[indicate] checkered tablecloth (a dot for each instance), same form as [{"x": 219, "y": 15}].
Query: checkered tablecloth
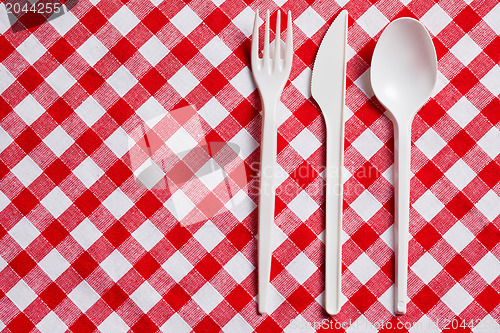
[{"x": 84, "y": 248}]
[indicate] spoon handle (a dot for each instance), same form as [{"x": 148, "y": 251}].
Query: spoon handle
[{"x": 402, "y": 155}]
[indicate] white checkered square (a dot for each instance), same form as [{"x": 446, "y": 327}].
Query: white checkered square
[
  {"x": 489, "y": 142},
  {"x": 58, "y": 141},
  {"x": 177, "y": 266},
  {"x": 6, "y": 78},
  {"x": 88, "y": 172},
  {"x": 23, "y": 232},
  {"x": 305, "y": 143},
  {"x": 364, "y": 268},
  {"x": 237, "y": 324},
  {"x": 56, "y": 202},
  {"x": 86, "y": 234},
  {"x": 21, "y": 295},
  {"x": 216, "y": 51},
  {"x": 436, "y": 19},
  {"x": 213, "y": 112},
  {"x": 303, "y": 206},
  {"x": 460, "y": 174},
  {"x": 179, "y": 205},
  {"x": 457, "y": 299},
  {"x": 181, "y": 142},
  {"x": 114, "y": 323},
  {"x": 176, "y": 324},
  {"x": 488, "y": 267},
  {"x": 492, "y": 19},
  {"x": 92, "y": 50},
  {"x": 489, "y": 205},
  {"x": 122, "y": 81},
  {"x": 243, "y": 82},
  {"x": 145, "y": 297},
  {"x": 240, "y": 205},
  {"x": 153, "y": 50},
  {"x": 207, "y": 298},
  {"x": 26, "y": 171},
  {"x": 51, "y": 323},
  {"x": 124, "y": 20},
  {"x": 29, "y": 110},
  {"x": 309, "y": 22},
  {"x": 363, "y": 82},
  {"x": 244, "y": 21},
  {"x": 90, "y": 111},
  {"x": 487, "y": 324},
  {"x": 430, "y": 143},
  {"x": 118, "y": 142},
  {"x": 367, "y": 144},
  {"x": 490, "y": 80},
  {"x": 60, "y": 80},
  {"x": 239, "y": 267},
  {"x": 186, "y": 20},
  {"x": 209, "y": 236},
  {"x": 54, "y": 264},
  {"x": 372, "y": 21},
  {"x": 4, "y": 201},
  {"x": 361, "y": 325},
  {"x": 458, "y": 236},
  {"x": 84, "y": 296},
  {"x": 64, "y": 23},
  {"x": 301, "y": 268},
  {"x": 424, "y": 325},
  {"x": 115, "y": 265},
  {"x": 183, "y": 81},
  {"x": 428, "y": 205},
  {"x": 245, "y": 142},
  {"x": 147, "y": 235},
  {"x": 426, "y": 268},
  {"x": 31, "y": 49},
  {"x": 117, "y": 203},
  {"x": 463, "y": 112},
  {"x": 465, "y": 50},
  {"x": 366, "y": 205}
]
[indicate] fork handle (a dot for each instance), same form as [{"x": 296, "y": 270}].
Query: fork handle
[{"x": 266, "y": 199}]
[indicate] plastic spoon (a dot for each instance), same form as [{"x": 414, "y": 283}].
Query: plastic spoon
[{"x": 403, "y": 74}]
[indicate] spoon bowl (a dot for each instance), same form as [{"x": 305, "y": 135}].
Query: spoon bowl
[
  {"x": 403, "y": 75},
  {"x": 404, "y": 67}
]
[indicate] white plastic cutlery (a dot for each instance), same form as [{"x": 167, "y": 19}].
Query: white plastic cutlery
[
  {"x": 270, "y": 74},
  {"x": 328, "y": 89},
  {"x": 403, "y": 74}
]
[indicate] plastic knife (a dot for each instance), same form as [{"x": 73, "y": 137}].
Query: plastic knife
[{"x": 328, "y": 89}]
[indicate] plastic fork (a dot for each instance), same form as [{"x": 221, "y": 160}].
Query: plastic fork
[{"x": 270, "y": 74}]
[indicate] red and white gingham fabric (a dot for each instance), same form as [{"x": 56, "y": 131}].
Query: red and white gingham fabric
[{"x": 83, "y": 248}]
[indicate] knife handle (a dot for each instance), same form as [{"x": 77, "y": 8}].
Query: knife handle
[
  {"x": 268, "y": 153},
  {"x": 333, "y": 218}
]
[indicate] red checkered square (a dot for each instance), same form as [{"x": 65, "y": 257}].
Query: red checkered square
[
  {"x": 83, "y": 324},
  {"x": 184, "y": 51},
  {"x": 93, "y": 20}
]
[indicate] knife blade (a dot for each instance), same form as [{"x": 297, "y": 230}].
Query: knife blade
[{"x": 328, "y": 89}]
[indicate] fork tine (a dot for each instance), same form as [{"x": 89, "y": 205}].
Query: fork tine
[
  {"x": 289, "y": 41},
  {"x": 277, "y": 39},
  {"x": 255, "y": 39},
  {"x": 266, "y": 39}
]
